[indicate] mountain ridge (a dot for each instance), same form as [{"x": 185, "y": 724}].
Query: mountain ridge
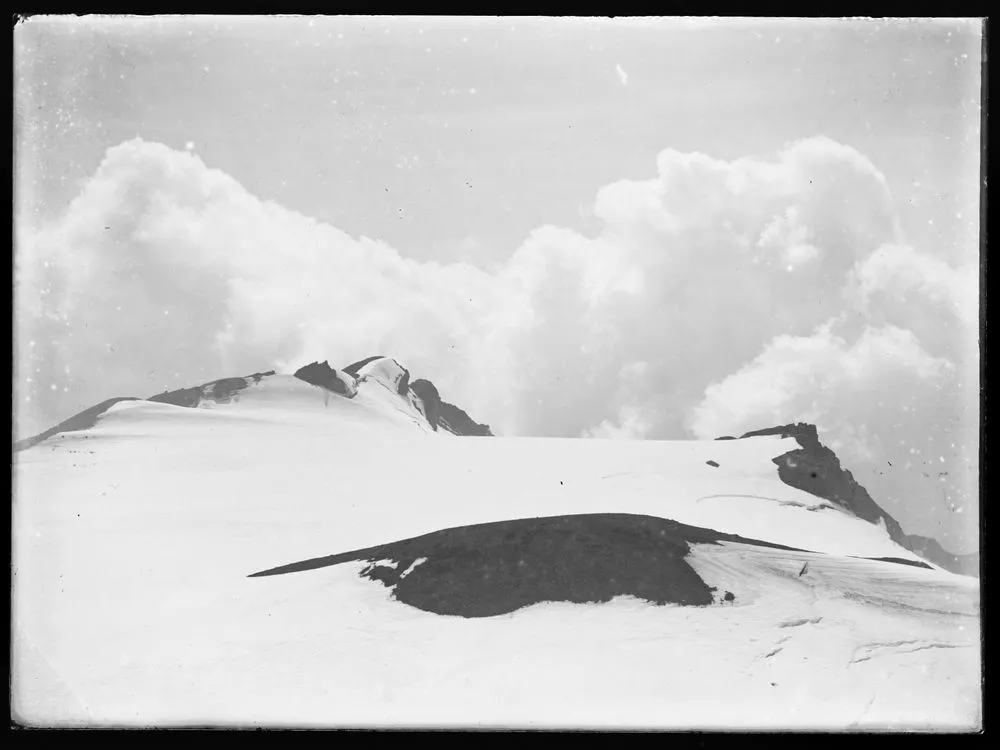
[
  {"x": 813, "y": 467},
  {"x": 816, "y": 469}
]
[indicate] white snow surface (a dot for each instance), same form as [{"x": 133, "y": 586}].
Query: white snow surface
[
  {"x": 133, "y": 540},
  {"x": 384, "y": 370}
]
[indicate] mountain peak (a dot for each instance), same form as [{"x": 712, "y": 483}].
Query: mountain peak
[
  {"x": 816, "y": 469},
  {"x": 420, "y": 398}
]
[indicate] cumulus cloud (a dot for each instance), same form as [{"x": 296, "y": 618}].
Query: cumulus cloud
[
  {"x": 824, "y": 380},
  {"x": 163, "y": 272},
  {"x": 716, "y": 295}
]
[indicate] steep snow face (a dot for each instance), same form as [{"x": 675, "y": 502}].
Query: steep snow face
[
  {"x": 135, "y": 539},
  {"x": 388, "y": 372}
]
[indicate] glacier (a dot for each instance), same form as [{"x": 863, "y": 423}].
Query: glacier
[{"x": 267, "y": 551}]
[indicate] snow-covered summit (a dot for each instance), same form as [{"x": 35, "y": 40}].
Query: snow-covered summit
[{"x": 379, "y": 385}]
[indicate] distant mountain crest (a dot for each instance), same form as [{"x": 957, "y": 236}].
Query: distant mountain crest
[
  {"x": 812, "y": 468},
  {"x": 815, "y": 469},
  {"x": 384, "y": 370}
]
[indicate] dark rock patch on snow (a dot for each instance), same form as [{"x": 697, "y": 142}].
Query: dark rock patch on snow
[
  {"x": 713, "y": 463},
  {"x": 403, "y": 387},
  {"x": 82, "y": 421},
  {"x": 189, "y": 397},
  {"x": 815, "y": 469},
  {"x": 495, "y": 568},
  {"x": 321, "y": 374},
  {"x": 431, "y": 399},
  {"x": 457, "y": 421},
  {"x": 220, "y": 391},
  {"x": 441, "y": 414},
  {"x": 900, "y": 561},
  {"x": 354, "y": 367}
]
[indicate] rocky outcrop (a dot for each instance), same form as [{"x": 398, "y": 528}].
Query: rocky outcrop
[
  {"x": 815, "y": 469},
  {"x": 384, "y": 370},
  {"x": 355, "y": 367},
  {"x": 441, "y": 414},
  {"x": 429, "y": 398},
  {"x": 492, "y": 569},
  {"x": 321, "y": 374},
  {"x": 455, "y": 420},
  {"x": 221, "y": 391},
  {"x": 495, "y": 568}
]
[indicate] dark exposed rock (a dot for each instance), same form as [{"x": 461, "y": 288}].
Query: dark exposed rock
[
  {"x": 444, "y": 415},
  {"x": 431, "y": 399},
  {"x": 815, "y": 469},
  {"x": 457, "y": 421},
  {"x": 323, "y": 375},
  {"x": 190, "y": 397},
  {"x": 225, "y": 389},
  {"x": 712, "y": 463},
  {"x": 82, "y": 421},
  {"x": 403, "y": 386},
  {"x": 901, "y": 561},
  {"x": 354, "y": 367},
  {"x": 220, "y": 391},
  {"x": 494, "y": 568}
]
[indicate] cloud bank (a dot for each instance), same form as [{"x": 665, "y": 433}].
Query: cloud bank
[{"x": 719, "y": 296}]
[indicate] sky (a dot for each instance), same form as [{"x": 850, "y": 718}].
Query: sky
[{"x": 630, "y": 228}]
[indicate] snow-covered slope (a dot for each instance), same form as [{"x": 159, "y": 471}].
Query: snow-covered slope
[{"x": 288, "y": 555}]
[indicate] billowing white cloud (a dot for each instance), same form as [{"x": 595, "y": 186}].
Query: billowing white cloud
[
  {"x": 821, "y": 379},
  {"x": 717, "y": 295}
]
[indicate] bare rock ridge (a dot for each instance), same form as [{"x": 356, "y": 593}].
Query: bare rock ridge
[
  {"x": 447, "y": 416},
  {"x": 221, "y": 391},
  {"x": 457, "y": 421},
  {"x": 324, "y": 376},
  {"x": 430, "y": 398},
  {"x": 439, "y": 413},
  {"x": 815, "y": 469}
]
